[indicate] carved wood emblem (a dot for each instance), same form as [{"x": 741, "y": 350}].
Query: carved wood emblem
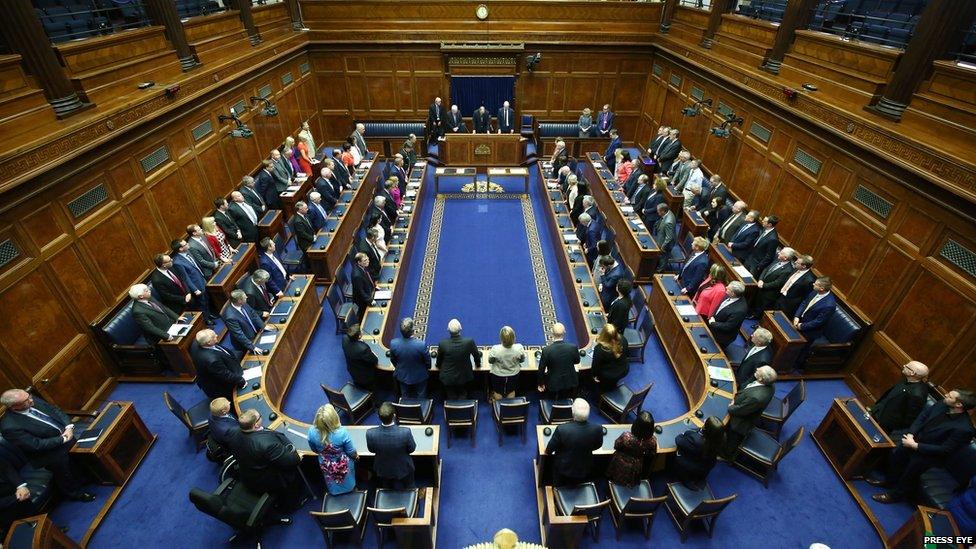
[{"x": 482, "y": 150}]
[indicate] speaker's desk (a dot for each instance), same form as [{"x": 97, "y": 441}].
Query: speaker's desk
[{"x": 481, "y": 149}]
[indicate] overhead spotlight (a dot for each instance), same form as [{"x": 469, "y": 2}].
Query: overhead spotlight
[
  {"x": 532, "y": 60},
  {"x": 695, "y": 109},
  {"x": 242, "y": 131},
  {"x": 269, "y": 108},
  {"x": 724, "y": 131}
]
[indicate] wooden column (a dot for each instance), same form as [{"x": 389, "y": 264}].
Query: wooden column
[
  {"x": 296, "y": 14},
  {"x": 163, "y": 12},
  {"x": 667, "y": 13},
  {"x": 243, "y": 8},
  {"x": 797, "y": 16},
  {"x": 25, "y": 35},
  {"x": 940, "y": 30},
  {"x": 719, "y": 8}
]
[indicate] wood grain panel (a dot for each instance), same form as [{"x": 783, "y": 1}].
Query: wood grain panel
[
  {"x": 809, "y": 232},
  {"x": 916, "y": 227},
  {"x": 892, "y": 267},
  {"x": 43, "y": 226},
  {"x": 78, "y": 283},
  {"x": 791, "y": 199},
  {"x": 836, "y": 178},
  {"x": 849, "y": 242},
  {"x": 380, "y": 90},
  {"x": 172, "y": 203},
  {"x": 42, "y": 328},
  {"x": 117, "y": 255},
  {"x": 123, "y": 177},
  {"x": 879, "y": 370},
  {"x": 73, "y": 382}
]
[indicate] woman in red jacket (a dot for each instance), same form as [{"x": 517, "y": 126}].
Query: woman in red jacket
[{"x": 711, "y": 292}]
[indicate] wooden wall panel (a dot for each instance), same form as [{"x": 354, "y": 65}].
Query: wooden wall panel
[
  {"x": 115, "y": 252},
  {"x": 849, "y": 243},
  {"x": 43, "y": 226},
  {"x": 79, "y": 283},
  {"x": 42, "y": 324}
]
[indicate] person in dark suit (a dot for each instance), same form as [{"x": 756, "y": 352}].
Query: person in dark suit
[
  {"x": 301, "y": 225},
  {"x": 661, "y": 136},
  {"x": 573, "y": 444},
  {"x": 613, "y": 273},
  {"x": 455, "y": 122},
  {"x": 316, "y": 213},
  {"x": 697, "y": 453},
  {"x": 742, "y": 242},
  {"x": 227, "y": 223},
  {"x": 936, "y": 436},
  {"x": 267, "y": 462},
  {"x": 633, "y": 180},
  {"x": 610, "y": 154},
  {"x": 618, "y": 313},
  {"x": 641, "y": 191},
  {"x": 219, "y": 371},
  {"x": 281, "y": 171},
  {"x": 435, "y": 119},
  {"x": 377, "y": 214},
  {"x": 700, "y": 197},
  {"x": 764, "y": 251},
  {"x": 15, "y": 496},
  {"x": 900, "y": 405},
  {"x": 361, "y": 361},
  {"x": 481, "y": 120},
  {"x": 717, "y": 189},
  {"x": 813, "y": 313},
  {"x": 610, "y": 363},
  {"x": 759, "y": 354},
  {"x": 359, "y": 139},
  {"x": 668, "y": 151},
  {"x": 557, "y": 376},
  {"x": 45, "y": 435},
  {"x": 342, "y": 179},
  {"x": 559, "y": 159},
  {"x": 251, "y": 194},
  {"x": 589, "y": 232},
  {"x": 363, "y": 285},
  {"x": 664, "y": 234},
  {"x": 695, "y": 268},
  {"x": 770, "y": 281},
  {"x": 410, "y": 362},
  {"x": 728, "y": 229},
  {"x": 747, "y": 408},
  {"x": 153, "y": 318},
  {"x": 259, "y": 296},
  {"x": 456, "y": 358},
  {"x": 392, "y": 445},
  {"x": 716, "y": 214},
  {"x": 245, "y": 216},
  {"x": 506, "y": 119},
  {"x": 400, "y": 173},
  {"x": 223, "y": 427},
  {"x": 243, "y": 322},
  {"x": 269, "y": 262},
  {"x": 192, "y": 274},
  {"x": 367, "y": 246},
  {"x": 171, "y": 289},
  {"x": 727, "y": 320},
  {"x": 264, "y": 184},
  {"x": 797, "y": 286},
  {"x": 325, "y": 186},
  {"x": 201, "y": 251},
  {"x": 604, "y": 121},
  {"x": 649, "y": 212}
]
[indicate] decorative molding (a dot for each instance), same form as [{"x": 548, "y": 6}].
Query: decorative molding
[
  {"x": 960, "y": 256},
  {"x": 154, "y": 159},
  {"x": 481, "y": 61},
  {"x": 8, "y": 252},
  {"x": 88, "y": 201},
  {"x": 202, "y": 130},
  {"x": 873, "y": 201},
  {"x": 807, "y": 161}
]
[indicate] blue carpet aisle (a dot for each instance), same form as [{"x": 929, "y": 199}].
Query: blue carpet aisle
[{"x": 488, "y": 487}]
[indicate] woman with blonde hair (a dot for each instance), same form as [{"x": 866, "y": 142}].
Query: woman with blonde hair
[
  {"x": 392, "y": 187},
  {"x": 303, "y": 154},
  {"x": 585, "y": 122},
  {"x": 610, "y": 363},
  {"x": 506, "y": 360},
  {"x": 337, "y": 456},
  {"x": 217, "y": 239}
]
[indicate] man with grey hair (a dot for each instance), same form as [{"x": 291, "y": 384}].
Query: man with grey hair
[
  {"x": 727, "y": 320},
  {"x": 152, "y": 317},
  {"x": 679, "y": 170},
  {"x": 280, "y": 171},
  {"x": 358, "y": 139},
  {"x": 219, "y": 371},
  {"x": 435, "y": 119},
  {"x": 456, "y": 359},
  {"x": 560, "y": 156},
  {"x": 244, "y": 215},
  {"x": 506, "y": 119},
  {"x": 563, "y": 176},
  {"x": 251, "y": 194},
  {"x": 664, "y": 234},
  {"x": 573, "y": 444},
  {"x": 757, "y": 355},
  {"x": 259, "y": 297},
  {"x": 771, "y": 280},
  {"x": 301, "y": 225},
  {"x": 557, "y": 376},
  {"x": 455, "y": 122},
  {"x": 744, "y": 240},
  {"x": 243, "y": 322},
  {"x": 326, "y": 186},
  {"x": 731, "y": 226},
  {"x": 748, "y": 406},
  {"x": 316, "y": 212},
  {"x": 410, "y": 361}
]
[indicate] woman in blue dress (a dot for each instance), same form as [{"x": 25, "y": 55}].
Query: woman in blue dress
[{"x": 337, "y": 456}]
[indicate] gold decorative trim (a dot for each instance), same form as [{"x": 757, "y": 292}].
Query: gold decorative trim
[
  {"x": 481, "y": 61},
  {"x": 421, "y": 312},
  {"x": 477, "y": 187},
  {"x": 547, "y": 307}
]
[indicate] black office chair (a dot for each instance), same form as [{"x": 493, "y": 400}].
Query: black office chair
[
  {"x": 638, "y": 337},
  {"x": 634, "y": 502},
  {"x": 340, "y": 514},
  {"x": 686, "y": 505},
  {"x": 582, "y": 500},
  {"x": 233, "y": 504},
  {"x": 391, "y": 504},
  {"x": 342, "y": 309},
  {"x": 510, "y": 411},
  {"x": 196, "y": 419},
  {"x": 760, "y": 453},
  {"x": 355, "y": 402},
  {"x": 556, "y": 412},
  {"x": 461, "y": 413},
  {"x": 780, "y": 410},
  {"x": 414, "y": 411},
  {"x": 620, "y": 402}
]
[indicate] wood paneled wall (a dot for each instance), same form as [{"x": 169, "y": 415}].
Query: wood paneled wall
[
  {"x": 71, "y": 269},
  {"x": 888, "y": 266}
]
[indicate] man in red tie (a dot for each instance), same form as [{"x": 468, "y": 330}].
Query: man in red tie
[
  {"x": 171, "y": 289},
  {"x": 259, "y": 297},
  {"x": 152, "y": 317}
]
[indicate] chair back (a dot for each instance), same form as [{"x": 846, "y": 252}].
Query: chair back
[
  {"x": 338, "y": 520},
  {"x": 411, "y": 414},
  {"x": 384, "y": 517},
  {"x": 336, "y": 398},
  {"x": 177, "y": 410},
  {"x": 710, "y": 507},
  {"x": 788, "y": 446},
  {"x": 644, "y": 507},
  {"x": 592, "y": 511},
  {"x": 637, "y": 399},
  {"x": 335, "y": 297},
  {"x": 794, "y": 398},
  {"x": 645, "y": 325},
  {"x": 638, "y": 300},
  {"x": 512, "y": 410},
  {"x": 561, "y": 413},
  {"x": 460, "y": 413}
]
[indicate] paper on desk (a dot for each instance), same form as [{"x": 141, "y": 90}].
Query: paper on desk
[
  {"x": 598, "y": 165},
  {"x": 407, "y": 208},
  {"x": 419, "y": 164},
  {"x": 413, "y": 185},
  {"x": 85, "y": 440},
  {"x": 293, "y": 188},
  {"x": 573, "y": 248},
  {"x": 687, "y": 310},
  {"x": 178, "y": 330},
  {"x": 252, "y": 373},
  {"x": 627, "y": 209},
  {"x": 267, "y": 338},
  {"x": 742, "y": 271},
  {"x": 570, "y": 237},
  {"x": 721, "y": 374},
  {"x": 383, "y": 294},
  {"x": 411, "y": 194}
]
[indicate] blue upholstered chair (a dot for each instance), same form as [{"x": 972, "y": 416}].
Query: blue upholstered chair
[
  {"x": 341, "y": 514},
  {"x": 461, "y": 413},
  {"x": 634, "y": 503},
  {"x": 555, "y": 412},
  {"x": 620, "y": 402},
  {"x": 779, "y": 409},
  {"x": 352, "y": 400},
  {"x": 196, "y": 419},
  {"x": 510, "y": 411},
  {"x": 414, "y": 411},
  {"x": 582, "y": 500},
  {"x": 391, "y": 504},
  {"x": 759, "y": 454},
  {"x": 687, "y": 505}
]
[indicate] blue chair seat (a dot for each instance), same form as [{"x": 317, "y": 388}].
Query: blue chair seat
[
  {"x": 425, "y": 404},
  {"x": 497, "y": 405},
  {"x": 689, "y": 498},
  {"x": 396, "y": 499},
  {"x": 634, "y": 337},
  {"x": 199, "y": 414},
  {"x": 354, "y": 501},
  {"x": 620, "y": 493},
  {"x": 354, "y": 395},
  {"x": 546, "y": 406},
  {"x": 760, "y": 445},
  {"x": 569, "y": 497},
  {"x": 619, "y": 397},
  {"x": 774, "y": 410}
]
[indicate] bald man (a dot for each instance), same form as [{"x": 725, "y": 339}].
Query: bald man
[
  {"x": 558, "y": 378},
  {"x": 456, "y": 359},
  {"x": 219, "y": 371},
  {"x": 900, "y": 405}
]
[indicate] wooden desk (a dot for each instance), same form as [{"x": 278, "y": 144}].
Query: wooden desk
[
  {"x": 224, "y": 279},
  {"x": 692, "y": 222},
  {"x": 468, "y": 173},
  {"x": 788, "y": 343},
  {"x": 926, "y": 521},
  {"x": 575, "y": 146},
  {"x": 511, "y": 172},
  {"x": 481, "y": 149},
  {"x": 297, "y": 191},
  {"x": 722, "y": 255},
  {"x": 270, "y": 224},
  {"x": 124, "y": 441},
  {"x": 177, "y": 351},
  {"x": 674, "y": 199},
  {"x": 37, "y": 532},
  {"x": 850, "y": 438}
]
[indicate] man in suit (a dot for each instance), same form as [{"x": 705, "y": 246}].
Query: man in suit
[
  {"x": 662, "y": 134},
  {"x": 391, "y": 445},
  {"x": 244, "y": 215},
  {"x": 173, "y": 292},
  {"x": 797, "y": 286},
  {"x": 281, "y": 171},
  {"x": 618, "y": 313},
  {"x": 378, "y": 209},
  {"x": 668, "y": 151},
  {"x": 326, "y": 188},
  {"x": 664, "y": 234},
  {"x": 287, "y": 163},
  {"x": 410, "y": 362},
  {"x": 727, "y": 320},
  {"x": 243, "y": 322},
  {"x": 557, "y": 377},
  {"x": 361, "y": 361},
  {"x": 301, "y": 225},
  {"x": 604, "y": 121},
  {"x": 219, "y": 371},
  {"x": 559, "y": 158},
  {"x": 573, "y": 444},
  {"x": 15, "y": 496},
  {"x": 368, "y": 246},
  {"x": 613, "y": 273},
  {"x": 748, "y": 406},
  {"x": 316, "y": 213},
  {"x": 264, "y": 184},
  {"x": 252, "y": 195},
  {"x": 813, "y": 313},
  {"x": 590, "y": 209},
  {"x": 481, "y": 120},
  {"x": 45, "y": 435},
  {"x": 745, "y": 238},
  {"x": 610, "y": 155},
  {"x": 935, "y": 437},
  {"x": 698, "y": 197},
  {"x": 731, "y": 226},
  {"x": 759, "y": 354},
  {"x": 435, "y": 119},
  {"x": 267, "y": 462},
  {"x": 223, "y": 427},
  {"x": 695, "y": 177},
  {"x": 192, "y": 274},
  {"x": 226, "y": 222},
  {"x": 718, "y": 212},
  {"x": 680, "y": 170},
  {"x": 717, "y": 187},
  {"x": 455, "y": 122},
  {"x": 401, "y": 174},
  {"x": 641, "y": 191},
  {"x": 359, "y": 139},
  {"x": 409, "y": 151},
  {"x": 456, "y": 358},
  {"x": 589, "y": 231},
  {"x": 506, "y": 119},
  {"x": 764, "y": 251},
  {"x": 695, "y": 268},
  {"x": 363, "y": 284},
  {"x": 342, "y": 179},
  {"x": 269, "y": 262},
  {"x": 153, "y": 318},
  {"x": 630, "y": 186},
  {"x": 201, "y": 251},
  {"x": 259, "y": 296},
  {"x": 900, "y": 405},
  {"x": 770, "y": 281}
]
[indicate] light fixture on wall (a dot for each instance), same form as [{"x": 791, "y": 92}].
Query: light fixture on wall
[
  {"x": 241, "y": 131},
  {"x": 532, "y": 60},
  {"x": 695, "y": 109},
  {"x": 269, "y": 108},
  {"x": 724, "y": 130}
]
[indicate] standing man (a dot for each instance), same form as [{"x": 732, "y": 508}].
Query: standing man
[
  {"x": 152, "y": 317},
  {"x": 814, "y": 312},
  {"x": 481, "y": 119},
  {"x": 618, "y": 313},
  {"x": 797, "y": 287},
  {"x": 764, "y": 251},
  {"x": 265, "y": 186},
  {"x": 363, "y": 285},
  {"x": 172, "y": 290},
  {"x": 251, "y": 194},
  {"x": 201, "y": 251},
  {"x": 732, "y": 224},
  {"x": 243, "y": 322},
  {"x": 358, "y": 138},
  {"x": 301, "y": 225},
  {"x": 456, "y": 359},
  {"x": 258, "y": 295},
  {"x": 744, "y": 240},
  {"x": 604, "y": 121},
  {"x": 435, "y": 119},
  {"x": 664, "y": 234},
  {"x": 695, "y": 269},
  {"x": 900, "y": 405},
  {"x": 506, "y": 119},
  {"x": 613, "y": 273},
  {"x": 410, "y": 362},
  {"x": 361, "y": 361},
  {"x": 392, "y": 445},
  {"x": 748, "y": 406},
  {"x": 558, "y": 377},
  {"x": 758, "y": 355},
  {"x": 727, "y": 320},
  {"x": 455, "y": 122},
  {"x": 771, "y": 281},
  {"x": 227, "y": 223},
  {"x": 219, "y": 372},
  {"x": 245, "y": 216},
  {"x": 267, "y": 462},
  {"x": 573, "y": 444},
  {"x": 269, "y": 262},
  {"x": 184, "y": 263},
  {"x": 610, "y": 155}
]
